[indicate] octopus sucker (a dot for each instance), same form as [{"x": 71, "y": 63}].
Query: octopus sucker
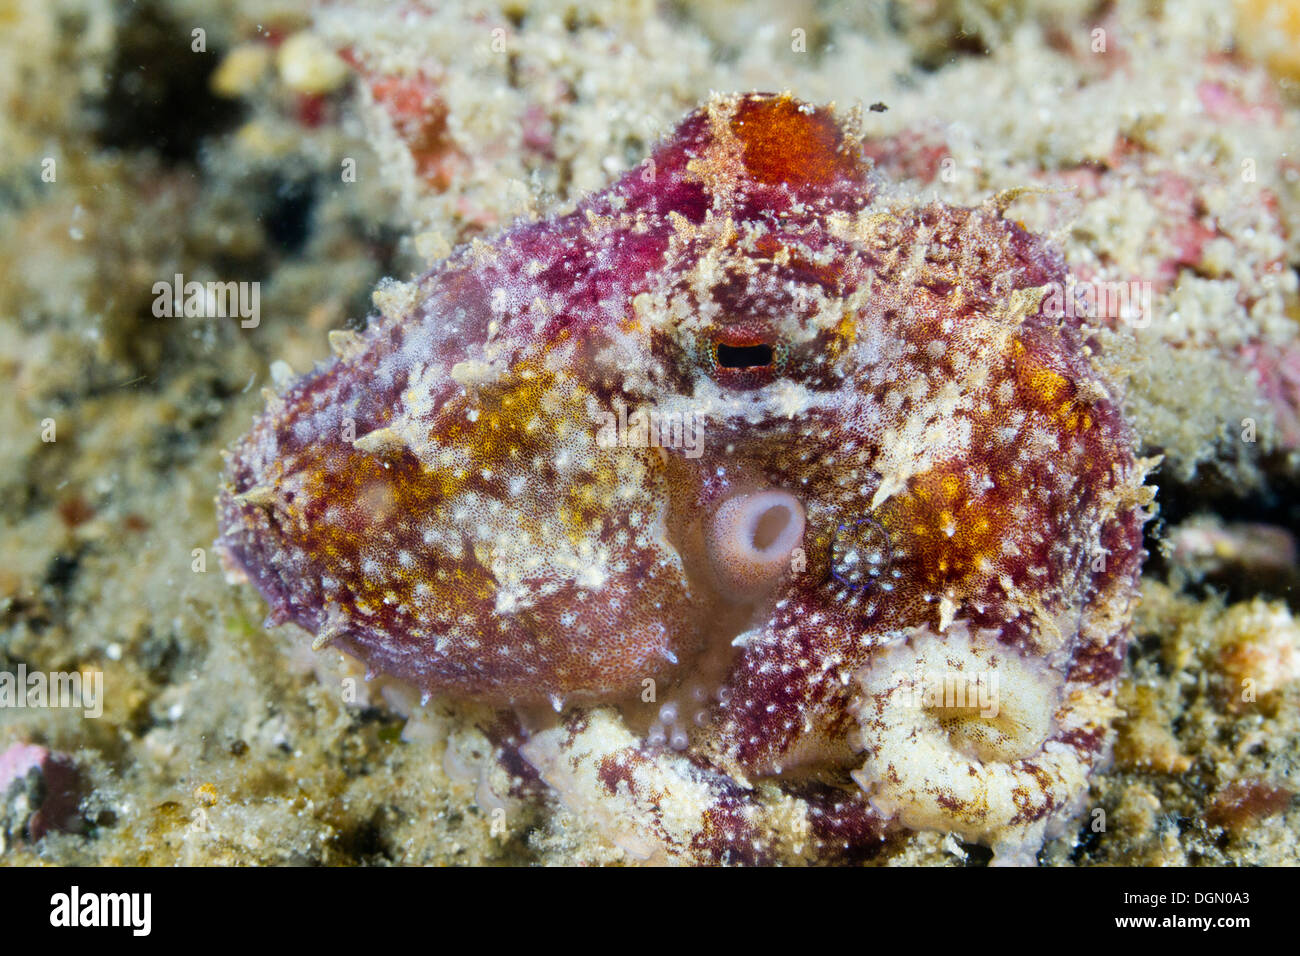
[
  {"x": 768, "y": 506},
  {"x": 962, "y": 733}
]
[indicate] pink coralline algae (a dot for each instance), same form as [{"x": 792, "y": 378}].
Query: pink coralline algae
[
  {"x": 40, "y": 793},
  {"x": 808, "y": 521}
]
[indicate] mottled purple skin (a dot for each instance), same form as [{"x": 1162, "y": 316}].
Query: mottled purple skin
[{"x": 911, "y": 376}]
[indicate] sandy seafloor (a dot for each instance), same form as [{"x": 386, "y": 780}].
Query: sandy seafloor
[{"x": 222, "y": 742}]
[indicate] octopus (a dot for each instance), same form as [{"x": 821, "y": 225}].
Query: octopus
[{"x": 771, "y": 505}]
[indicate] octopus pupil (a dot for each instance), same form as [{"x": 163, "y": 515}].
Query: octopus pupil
[{"x": 744, "y": 356}]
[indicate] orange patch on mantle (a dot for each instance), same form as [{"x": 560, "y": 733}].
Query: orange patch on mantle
[{"x": 784, "y": 144}]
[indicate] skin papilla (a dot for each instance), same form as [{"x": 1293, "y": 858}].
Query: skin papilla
[{"x": 783, "y": 513}]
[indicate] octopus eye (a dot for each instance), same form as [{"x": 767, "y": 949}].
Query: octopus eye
[
  {"x": 744, "y": 356},
  {"x": 751, "y": 538}
]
